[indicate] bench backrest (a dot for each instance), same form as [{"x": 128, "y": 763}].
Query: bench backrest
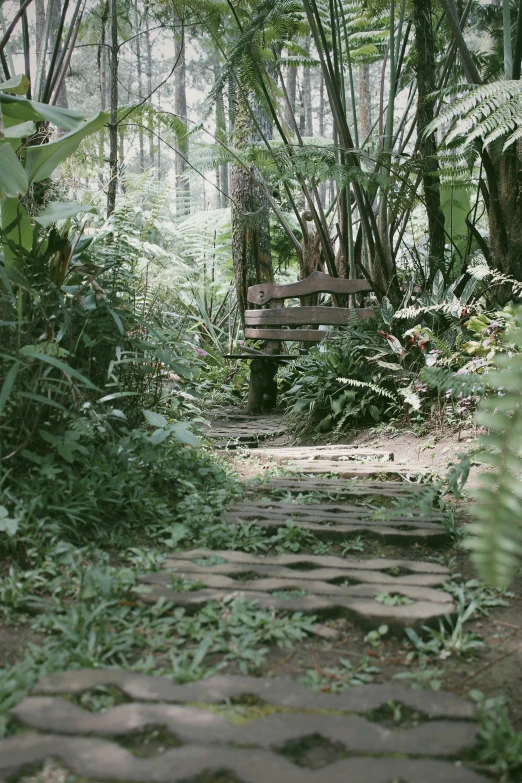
[{"x": 317, "y": 282}]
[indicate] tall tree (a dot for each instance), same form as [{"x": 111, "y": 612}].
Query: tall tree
[
  {"x": 180, "y": 108},
  {"x": 113, "y": 127},
  {"x": 251, "y": 245},
  {"x": 427, "y": 145}
]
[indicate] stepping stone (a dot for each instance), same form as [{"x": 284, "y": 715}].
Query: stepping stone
[
  {"x": 246, "y": 430},
  {"x": 302, "y": 737},
  {"x": 297, "y": 486},
  {"x": 352, "y": 469},
  {"x": 397, "y": 593},
  {"x": 321, "y": 453},
  {"x": 336, "y": 521}
]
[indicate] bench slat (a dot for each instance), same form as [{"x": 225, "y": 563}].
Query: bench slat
[
  {"x": 305, "y": 315},
  {"x": 299, "y": 335},
  {"x": 316, "y": 283}
]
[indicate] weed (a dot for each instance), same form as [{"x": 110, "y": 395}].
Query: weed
[
  {"x": 376, "y": 636},
  {"x": 393, "y": 599},
  {"x": 334, "y": 679},
  {"x": 500, "y": 743}
]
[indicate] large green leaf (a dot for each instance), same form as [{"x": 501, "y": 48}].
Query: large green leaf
[
  {"x": 16, "y": 132},
  {"x": 13, "y": 179},
  {"x": 17, "y": 85},
  {"x": 17, "y": 228},
  {"x": 15, "y": 110},
  {"x": 60, "y": 210},
  {"x": 41, "y": 161},
  {"x": 34, "y": 353},
  {"x": 456, "y": 205}
]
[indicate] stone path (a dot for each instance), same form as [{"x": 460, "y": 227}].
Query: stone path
[
  {"x": 167, "y": 733},
  {"x": 336, "y": 521},
  {"x": 362, "y": 591},
  {"x": 230, "y": 429},
  {"x": 230, "y": 729},
  {"x": 298, "y": 486}
]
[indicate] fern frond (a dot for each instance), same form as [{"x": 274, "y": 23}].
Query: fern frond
[
  {"x": 367, "y": 385},
  {"x": 487, "y": 112},
  {"x": 448, "y": 308},
  {"x": 447, "y": 381},
  {"x": 496, "y": 538}
]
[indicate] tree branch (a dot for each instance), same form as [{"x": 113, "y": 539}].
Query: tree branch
[{"x": 470, "y": 68}]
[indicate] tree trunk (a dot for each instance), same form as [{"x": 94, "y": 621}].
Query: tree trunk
[
  {"x": 291, "y": 88},
  {"x": 102, "y": 71},
  {"x": 113, "y": 128},
  {"x": 251, "y": 249},
  {"x": 221, "y": 133},
  {"x": 307, "y": 94},
  {"x": 56, "y": 18},
  {"x": 140, "y": 87},
  {"x": 150, "y": 113},
  {"x": 180, "y": 108},
  {"x": 426, "y": 87},
  {"x": 365, "y": 102}
]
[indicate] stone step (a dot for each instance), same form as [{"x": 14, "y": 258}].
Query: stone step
[
  {"x": 398, "y": 594},
  {"x": 337, "y": 522},
  {"x": 302, "y": 736}
]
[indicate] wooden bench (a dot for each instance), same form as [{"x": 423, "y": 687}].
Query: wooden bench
[{"x": 276, "y": 324}]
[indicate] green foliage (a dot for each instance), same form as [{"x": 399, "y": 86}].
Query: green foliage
[
  {"x": 487, "y": 113},
  {"x": 500, "y": 743},
  {"x": 495, "y": 539},
  {"x": 359, "y": 376},
  {"x": 334, "y": 679}
]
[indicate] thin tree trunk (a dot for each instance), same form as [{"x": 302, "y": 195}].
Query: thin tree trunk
[
  {"x": 148, "y": 65},
  {"x": 139, "y": 69},
  {"x": 322, "y": 185},
  {"x": 113, "y": 128},
  {"x": 426, "y": 87},
  {"x": 62, "y": 100},
  {"x": 221, "y": 133},
  {"x": 102, "y": 70},
  {"x": 307, "y": 94},
  {"x": 291, "y": 88},
  {"x": 365, "y": 102},
  {"x": 180, "y": 108}
]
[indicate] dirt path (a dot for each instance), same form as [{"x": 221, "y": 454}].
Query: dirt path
[{"x": 377, "y": 691}]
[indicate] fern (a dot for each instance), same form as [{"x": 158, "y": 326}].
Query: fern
[
  {"x": 496, "y": 537},
  {"x": 447, "y": 308},
  {"x": 445, "y": 381},
  {"x": 367, "y": 385},
  {"x": 487, "y": 112}
]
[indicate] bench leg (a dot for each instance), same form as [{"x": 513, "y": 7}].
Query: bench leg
[{"x": 262, "y": 390}]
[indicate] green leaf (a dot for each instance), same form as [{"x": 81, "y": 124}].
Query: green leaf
[
  {"x": 155, "y": 419},
  {"x": 20, "y": 131},
  {"x": 117, "y": 395},
  {"x": 17, "y": 229},
  {"x": 7, "y": 524},
  {"x": 8, "y": 385},
  {"x": 54, "y": 362},
  {"x": 43, "y": 160},
  {"x": 61, "y": 210},
  {"x": 13, "y": 179},
  {"x": 16, "y": 85},
  {"x": 184, "y": 435},
  {"x": 15, "y": 110}
]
